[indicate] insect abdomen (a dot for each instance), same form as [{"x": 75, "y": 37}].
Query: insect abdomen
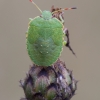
[{"x": 44, "y": 45}]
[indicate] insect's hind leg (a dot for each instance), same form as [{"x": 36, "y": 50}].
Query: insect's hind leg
[{"x": 67, "y": 44}]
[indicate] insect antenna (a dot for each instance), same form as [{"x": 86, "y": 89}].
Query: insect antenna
[
  {"x": 64, "y": 9},
  {"x": 35, "y": 5}
]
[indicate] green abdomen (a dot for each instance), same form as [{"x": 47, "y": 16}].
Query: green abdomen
[{"x": 44, "y": 45}]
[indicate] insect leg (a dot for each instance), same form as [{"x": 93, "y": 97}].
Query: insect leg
[
  {"x": 58, "y": 14},
  {"x": 61, "y": 17},
  {"x": 67, "y": 44},
  {"x": 26, "y": 34}
]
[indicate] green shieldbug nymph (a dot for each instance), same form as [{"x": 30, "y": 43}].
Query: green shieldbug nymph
[{"x": 45, "y": 38}]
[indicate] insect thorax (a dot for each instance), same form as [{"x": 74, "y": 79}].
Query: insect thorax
[{"x": 46, "y": 15}]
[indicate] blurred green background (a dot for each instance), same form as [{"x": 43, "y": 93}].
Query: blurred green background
[{"x": 84, "y": 28}]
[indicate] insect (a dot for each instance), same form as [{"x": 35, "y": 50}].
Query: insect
[{"x": 45, "y": 37}]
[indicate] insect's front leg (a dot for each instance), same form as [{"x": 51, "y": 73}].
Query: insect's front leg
[
  {"x": 67, "y": 44},
  {"x": 61, "y": 17},
  {"x": 58, "y": 14}
]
